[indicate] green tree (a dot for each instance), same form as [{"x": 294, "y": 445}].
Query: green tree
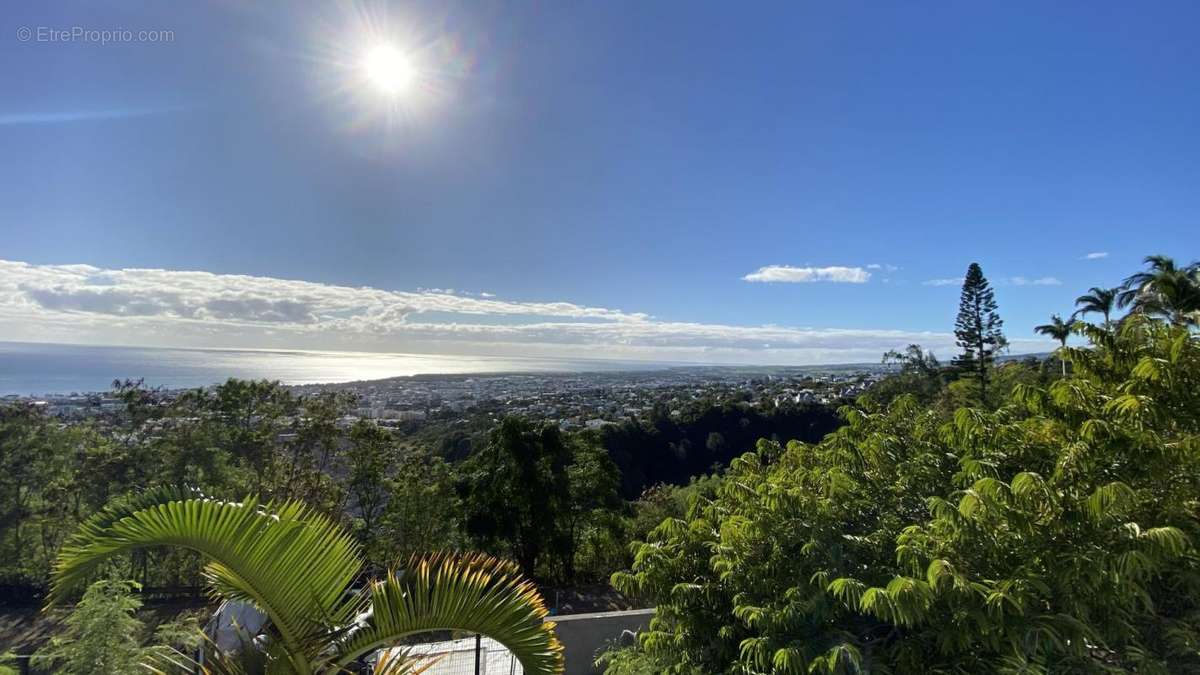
[
  {"x": 45, "y": 487},
  {"x": 245, "y": 418},
  {"x": 298, "y": 567},
  {"x": 593, "y": 484},
  {"x": 368, "y": 458},
  {"x": 1164, "y": 290},
  {"x": 920, "y": 375},
  {"x": 102, "y": 634},
  {"x": 978, "y": 329},
  {"x": 316, "y": 439},
  {"x": 23, "y": 436},
  {"x": 1100, "y": 301},
  {"x": 423, "y": 512},
  {"x": 715, "y": 442},
  {"x": 517, "y": 491},
  {"x": 1059, "y": 330}
]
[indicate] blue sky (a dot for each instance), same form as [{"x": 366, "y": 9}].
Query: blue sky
[{"x": 640, "y": 159}]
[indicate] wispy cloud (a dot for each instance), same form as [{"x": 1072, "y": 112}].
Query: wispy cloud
[
  {"x": 82, "y": 303},
  {"x": 1040, "y": 281},
  {"x": 1008, "y": 281},
  {"x": 786, "y": 274},
  {"x": 885, "y": 268},
  {"x": 63, "y": 117},
  {"x": 1096, "y": 255}
]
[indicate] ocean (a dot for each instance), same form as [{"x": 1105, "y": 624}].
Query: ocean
[{"x": 37, "y": 368}]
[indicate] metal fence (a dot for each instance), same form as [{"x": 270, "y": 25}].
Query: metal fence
[{"x": 469, "y": 656}]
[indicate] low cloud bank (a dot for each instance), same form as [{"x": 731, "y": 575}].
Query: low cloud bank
[{"x": 82, "y": 303}]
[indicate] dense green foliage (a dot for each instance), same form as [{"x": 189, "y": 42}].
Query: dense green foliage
[
  {"x": 1054, "y": 531},
  {"x": 400, "y": 491},
  {"x": 238, "y": 438}
]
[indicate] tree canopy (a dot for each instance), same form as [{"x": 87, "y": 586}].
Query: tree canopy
[
  {"x": 1165, "y": 289},
  {"x": 1055, "y": 533}
]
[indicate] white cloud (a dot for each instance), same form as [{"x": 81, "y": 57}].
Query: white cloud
[
  {"x": 885, "y": 268},
  {"x": 1097, "y": 255},
  {"x": 154, "y": 307},
  {"x": 1040, "y": 281},
  {"x": 786, "y": 274},
  {"x": 943, "y": 282}
]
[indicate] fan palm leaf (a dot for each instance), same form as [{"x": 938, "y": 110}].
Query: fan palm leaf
[
  {"x": 471, "y": 592},
  {"x": 297, "y": 566},
  {"x": 292, "y": 564}
]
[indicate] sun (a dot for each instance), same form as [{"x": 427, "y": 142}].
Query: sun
[{"x": 389, "y": 69}]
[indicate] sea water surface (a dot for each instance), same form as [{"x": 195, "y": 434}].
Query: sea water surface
[{"x": 39, "y": 368}]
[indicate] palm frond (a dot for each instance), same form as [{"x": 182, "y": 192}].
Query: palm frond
[
  {"x": 470, "y": 592},
  {"x": 293, "y": 565}
]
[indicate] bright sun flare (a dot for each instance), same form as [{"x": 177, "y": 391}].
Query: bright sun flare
[{"x": 389, "y": 69}]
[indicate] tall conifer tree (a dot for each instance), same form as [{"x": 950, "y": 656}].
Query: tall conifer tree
[{"x": 977, "y": 328}]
